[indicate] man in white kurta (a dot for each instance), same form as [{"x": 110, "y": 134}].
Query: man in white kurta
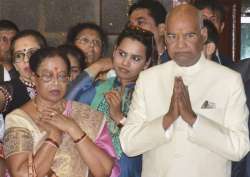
[{"x": 188, "y": 117}]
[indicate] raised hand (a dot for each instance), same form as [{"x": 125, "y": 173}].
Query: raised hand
[
  {"x": 114, "y": 100},
  {"x": 55, "y": 118},
  {"x": 102, "y": 65},
  {"x": 173, "y": 112},
  {"x": 184, "y": 104}
]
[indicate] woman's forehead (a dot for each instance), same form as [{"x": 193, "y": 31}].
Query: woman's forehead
[{"x": 53, "y": 63}]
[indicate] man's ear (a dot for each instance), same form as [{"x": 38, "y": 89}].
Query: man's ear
[
  {"x": 204, "y": 34},
  {"x": 222, "y": 27},
  {"x": 161, "y": 29},
  {"x": 209, "y": 50},
  {"x": 147, "y": 64}
]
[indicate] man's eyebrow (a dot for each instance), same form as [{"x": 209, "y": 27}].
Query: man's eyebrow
[{"x": 191, "y": 33}]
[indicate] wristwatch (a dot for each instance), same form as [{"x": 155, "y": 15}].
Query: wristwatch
[{"x": 121, "y": 122}]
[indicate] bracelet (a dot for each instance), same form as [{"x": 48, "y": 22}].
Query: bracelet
[
  {"x": 81, "y": 138},
  {"x": 121, "y": 122},
  {"x": 52, "y": 142}
]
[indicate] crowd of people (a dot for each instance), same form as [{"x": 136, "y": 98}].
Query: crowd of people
[{"x": 166, "y": 103}]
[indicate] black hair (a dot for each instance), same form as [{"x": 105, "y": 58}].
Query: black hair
[
  {"x": 212, "y": 32},
  {"x": 8, "y": 25},
  {"x": 44, "y": 53},
  {"x": 155, "y": 8},
  {"x": 37, "y": 35},
  {"x": 75, "y": 30},
  {"x": 213, "y": 5},
  {"x": 75, "y": 52},
  {"x": 143, "y": 36}
]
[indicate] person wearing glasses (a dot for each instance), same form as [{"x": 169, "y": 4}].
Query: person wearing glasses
[
  {"x": 19, "y": 90},
  {"x": 134, "y": 52},
  {"x": 90, "y": 39},
  {"x": 49, "y": 136}
]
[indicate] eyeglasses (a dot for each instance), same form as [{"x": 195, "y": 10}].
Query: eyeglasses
[
  {"x": 86, "y": 41},
  {"x": 48, "y": 77},
  {"x": 20, "y": 55}
]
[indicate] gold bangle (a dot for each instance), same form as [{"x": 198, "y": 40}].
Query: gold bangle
[
  {"x": 80, "y": 139},
  {"x": 52, "y": 142}
]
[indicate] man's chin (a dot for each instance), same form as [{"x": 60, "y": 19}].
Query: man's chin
[{"x": 184, "y": 61}]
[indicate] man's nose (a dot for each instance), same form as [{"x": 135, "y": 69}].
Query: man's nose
[{"x": 180, "y": 42}]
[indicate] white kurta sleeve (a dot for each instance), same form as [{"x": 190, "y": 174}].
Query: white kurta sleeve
[
  {"x": 139, "y": 134},
  {"x": 230, "y": 139}
]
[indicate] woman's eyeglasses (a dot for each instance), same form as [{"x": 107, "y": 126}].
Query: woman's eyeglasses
[
  {"x": 48, "y": 77},
  {"x": 19, "y": 56},
  {"x": 86, "y": 41}
]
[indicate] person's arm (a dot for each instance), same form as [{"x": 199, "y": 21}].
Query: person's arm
[
  {"x": 2, "y": 166},
  {"x": 139, "y": 135},
  {"x": 86, "y": 78},
  {"x": 98, "y": 161},
  {"x": 2, "y": 161},
  {"x": 19, "y": 147},
  {"x": 229, "y": 138},
  {"x": 101, "y": 65},
  {"x": 19, "y": 144}
]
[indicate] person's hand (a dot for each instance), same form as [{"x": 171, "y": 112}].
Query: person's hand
[
  {"x": 184, "y": 104},
  {"x": 52, "y": 131},
  {"x": 101, "y": 65},
  {"x": 56, "y": 119},
  {"x": 173, "y": 111},
  {"x": 104, "y": 64},
  {"x": 114, "y": 100}
]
